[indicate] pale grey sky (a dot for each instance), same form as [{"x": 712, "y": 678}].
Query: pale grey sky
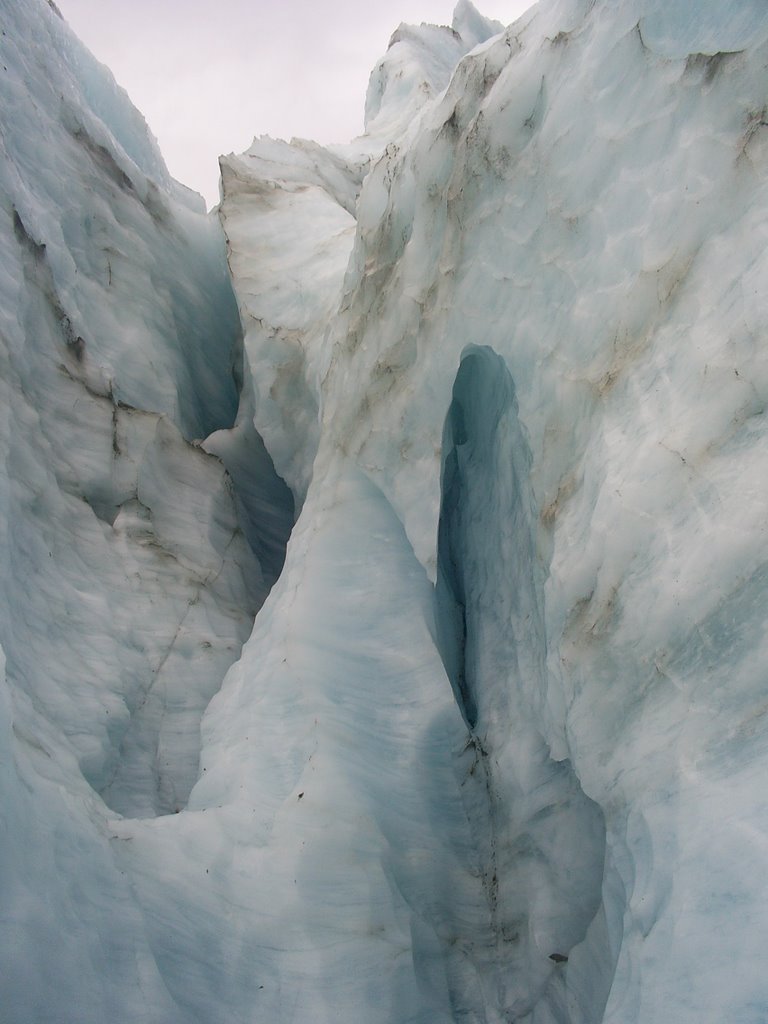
[{"x": 208, "y": 75}]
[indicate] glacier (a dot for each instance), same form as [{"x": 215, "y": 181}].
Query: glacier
[{"x": 384, "y": 553}]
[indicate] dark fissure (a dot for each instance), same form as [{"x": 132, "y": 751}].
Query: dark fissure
[{"x": 540, "y": 840}]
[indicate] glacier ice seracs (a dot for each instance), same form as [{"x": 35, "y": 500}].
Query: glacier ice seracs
[{"x": 494, "y": 748}]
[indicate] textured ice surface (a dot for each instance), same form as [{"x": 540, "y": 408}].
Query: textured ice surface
[
  {"x": 127, "y": 584},
  {"x": 289, "y": 213},
  {"x": 495, "y": 749}
]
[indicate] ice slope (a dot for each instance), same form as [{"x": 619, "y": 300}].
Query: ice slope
[{"x": 495, "y": 748}]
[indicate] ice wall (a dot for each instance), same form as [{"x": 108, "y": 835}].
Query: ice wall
[
  {"x": 582, "y": 213},
  {"x": 128, "y": 585},
  {"x": 587, "y": 202}
]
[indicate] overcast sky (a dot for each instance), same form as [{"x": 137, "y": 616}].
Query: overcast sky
[{"x": 208, "y": 75}]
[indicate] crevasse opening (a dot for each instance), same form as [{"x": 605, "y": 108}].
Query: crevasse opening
[
  {"x": 154, "y": 762},
  {"x": 542, "y": 841}
]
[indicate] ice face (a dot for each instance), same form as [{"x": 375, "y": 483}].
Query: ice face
[
  {"x": 583, "y": 203},
  {"x": 128, "y": 585},
  {"x": 298, "y": 200},
  {"x": 493, "y": 748}
]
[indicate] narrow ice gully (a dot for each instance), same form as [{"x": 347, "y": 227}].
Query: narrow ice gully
[{"x": 485, "y": 739}]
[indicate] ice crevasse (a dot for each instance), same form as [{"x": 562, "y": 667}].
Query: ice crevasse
[{"x": 485, "y": 740}]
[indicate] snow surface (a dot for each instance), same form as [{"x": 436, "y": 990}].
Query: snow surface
[{"x": 495, "y": 747}]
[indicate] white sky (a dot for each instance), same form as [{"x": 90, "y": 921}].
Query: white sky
[{"x": 208, "y": 75}]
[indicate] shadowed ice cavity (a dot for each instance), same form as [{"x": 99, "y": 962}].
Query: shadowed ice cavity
[
  {"x": 151, "y": 550},
  {"x": 223, "y": 517},
  {"x": 541, "y": 839}
]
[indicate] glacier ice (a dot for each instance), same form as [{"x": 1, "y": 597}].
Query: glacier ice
[
  {"x": 128, "y": 586},
  {"x": 480, "y": 736}
]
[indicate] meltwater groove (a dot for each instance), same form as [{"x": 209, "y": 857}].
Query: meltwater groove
[{"x": 541, "y": 839}]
